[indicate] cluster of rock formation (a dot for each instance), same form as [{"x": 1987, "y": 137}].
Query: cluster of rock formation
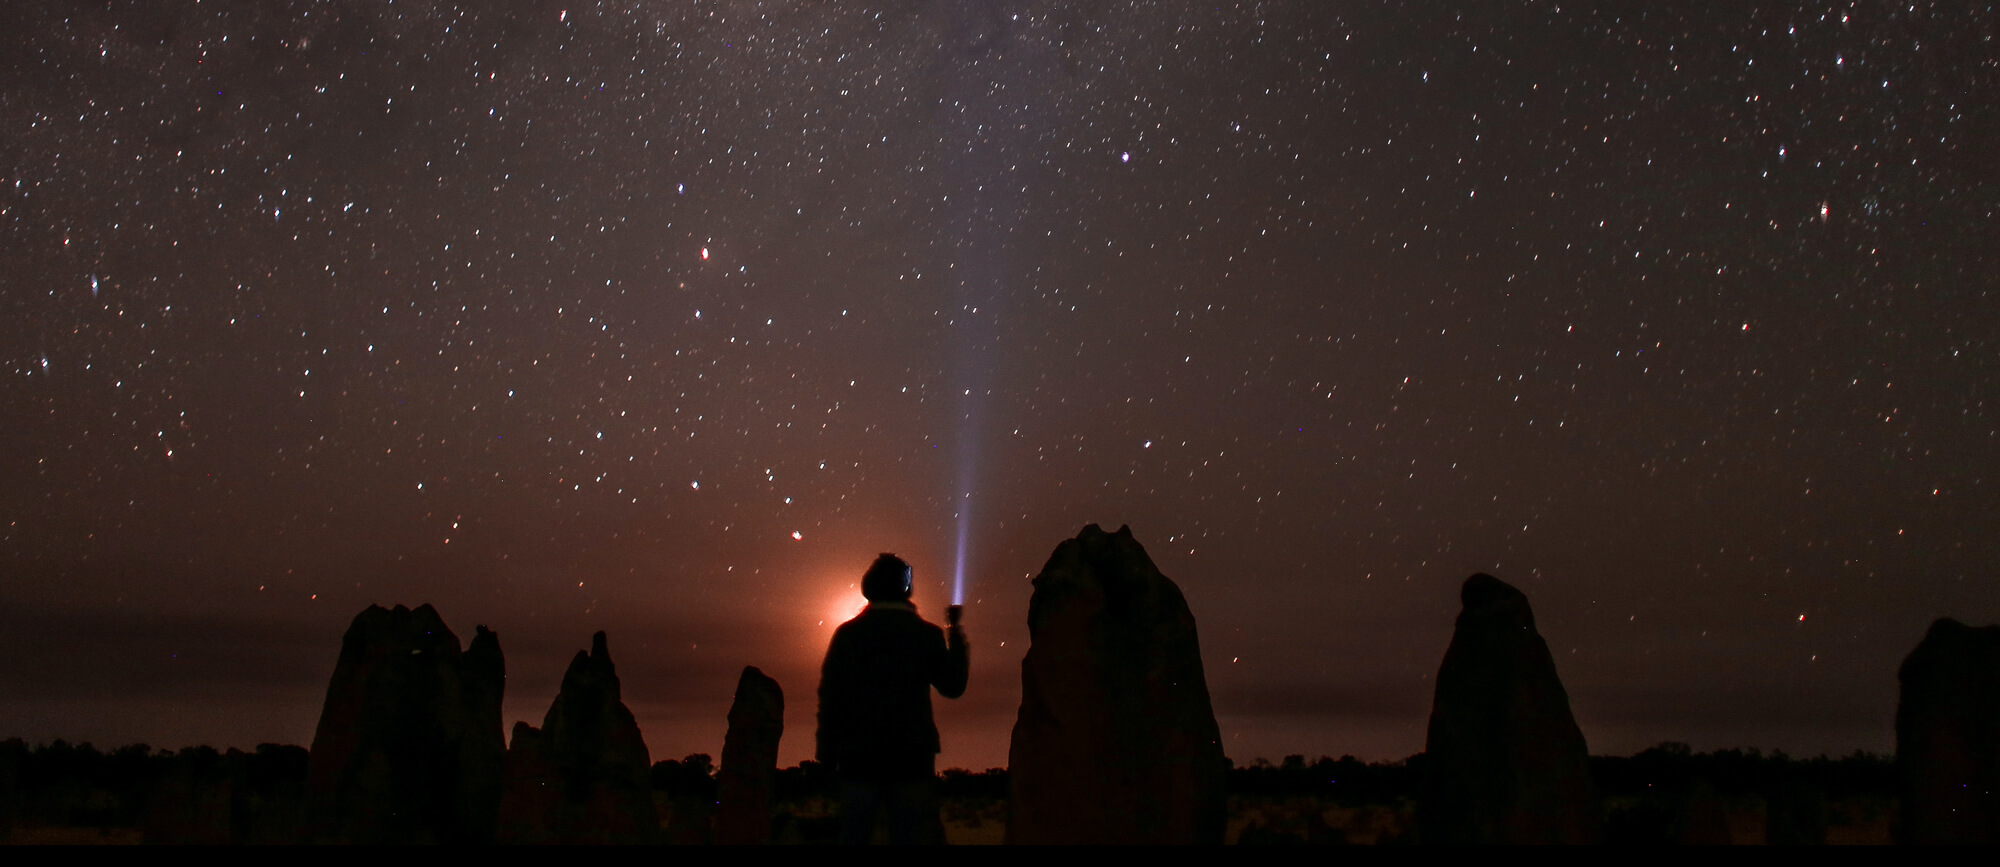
[
  {"x": 1115, "y": 740},
  {"x": 1506, "y": 763},
  {"x": 409, "y": 749}
]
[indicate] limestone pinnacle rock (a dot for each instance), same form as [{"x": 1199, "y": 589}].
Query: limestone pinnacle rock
[
  {"x": 1505, "y": 761},
  {"x": 408, "y": 747},
  {"x": 749, "y": 773},
  {"x": 1116, "y": 741},
  {"x": 581, "y": 777},
  {"x": 1948, "y": 736}
]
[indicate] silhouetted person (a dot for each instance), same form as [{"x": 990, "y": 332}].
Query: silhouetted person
[{"x": 875, "y": 725}]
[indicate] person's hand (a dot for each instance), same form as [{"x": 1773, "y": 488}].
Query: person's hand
[{"x": 952, "y": 613}]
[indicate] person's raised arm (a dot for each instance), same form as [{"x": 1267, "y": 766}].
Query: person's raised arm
[{"x": 955, "y": 663}]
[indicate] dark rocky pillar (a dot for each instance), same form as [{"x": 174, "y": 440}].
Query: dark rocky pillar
[
  {"x": 750, "y": 760},
  {"x": 583, "y": 776},
  {"x": 1504, "y": 759},
  {"x": 409, "y": 747},
  {"x": 1116, "y": 741},
  {"x": 1948, "y": 736}
]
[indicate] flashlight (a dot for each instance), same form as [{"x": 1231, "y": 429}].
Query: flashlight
[{"x": 952, "y": 614}]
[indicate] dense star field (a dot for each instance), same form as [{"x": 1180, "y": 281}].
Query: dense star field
[{"x": 665, "y": 318}]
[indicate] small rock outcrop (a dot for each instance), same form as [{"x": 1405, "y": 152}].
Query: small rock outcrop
[
  {"x": 749, "y": 772},
  {"x": 1948, "y": 737},
  {"x": 408, "y": 748},
  {"x": 1505, "y": 761},
  {"x": 1116, "y": 741},
  {"x": 583, "y": 776}
]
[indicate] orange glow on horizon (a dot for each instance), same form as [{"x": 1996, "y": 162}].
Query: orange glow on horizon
[{"x": 843, "y": 608}]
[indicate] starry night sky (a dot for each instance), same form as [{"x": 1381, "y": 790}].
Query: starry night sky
[{"x": 663, "y": 318}]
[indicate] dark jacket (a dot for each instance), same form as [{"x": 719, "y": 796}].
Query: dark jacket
[{"x": 875, "y": 693}]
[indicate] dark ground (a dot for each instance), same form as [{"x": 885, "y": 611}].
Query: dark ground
[{"x": 64, "y": 793}]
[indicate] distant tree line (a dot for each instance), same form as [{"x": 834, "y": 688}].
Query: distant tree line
[
  {"x": 1733, "y": 773},
  {"x": 1670, "y": 765},
  {"x": 173, "y": 795}
]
